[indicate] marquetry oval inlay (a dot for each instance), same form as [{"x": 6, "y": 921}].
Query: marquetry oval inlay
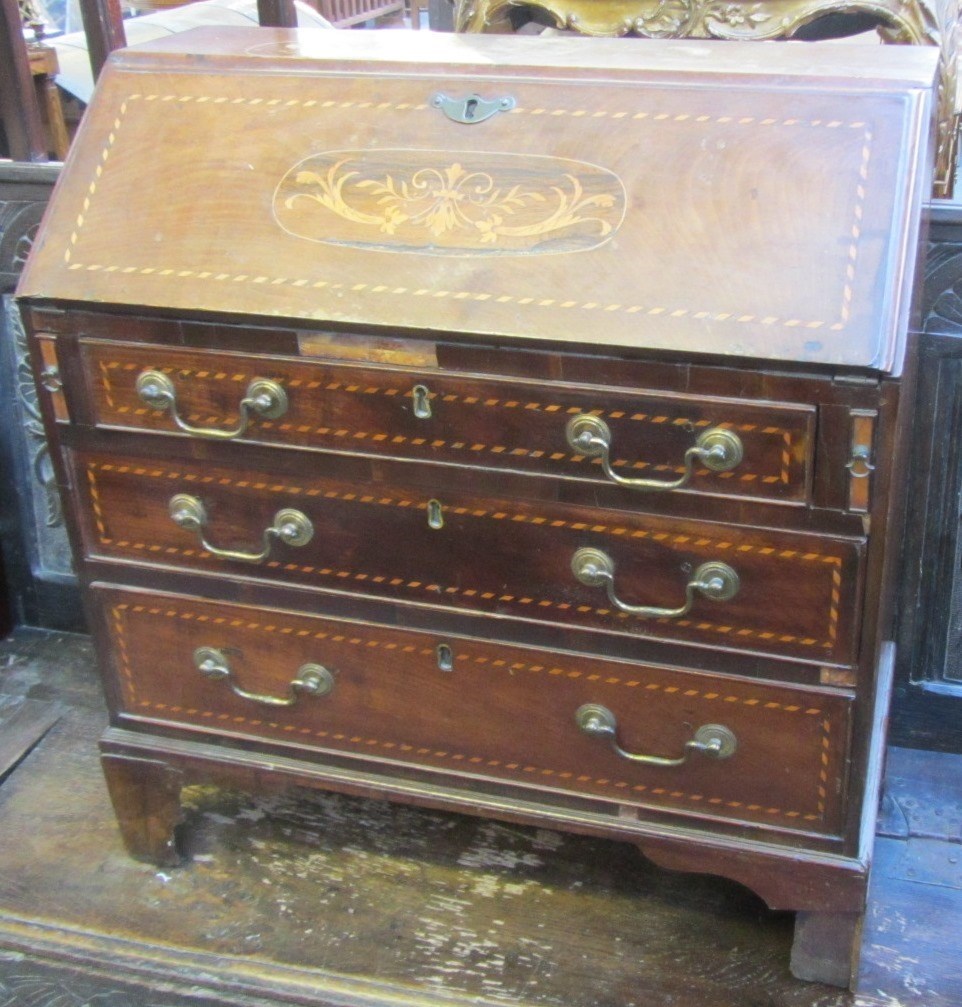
[{"x": 450, "y": 203}]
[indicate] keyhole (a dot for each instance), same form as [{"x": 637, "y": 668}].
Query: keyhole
[
  {"x": 435, "y": 517},
  {"x": 470, "y": 107},
  {"x": 445, "y": 657},
  {"x": 422, "y": 402}
]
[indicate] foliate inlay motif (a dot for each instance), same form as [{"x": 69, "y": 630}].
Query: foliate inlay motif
[{"x": 466, "y": 204}]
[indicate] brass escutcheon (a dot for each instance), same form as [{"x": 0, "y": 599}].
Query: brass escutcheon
[
  {"x": 445, "y": 657},
  {"x": 435, "y": 515},
  {"x": 860, "y": 464},
  {"x": 473, "y": 108},
  {"x": 422, "y": 402},
  {"x": 50, "y": 378}
]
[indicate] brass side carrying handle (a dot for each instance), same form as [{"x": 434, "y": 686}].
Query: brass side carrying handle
[
  {"x": 714, "y": 740},
  {"x": 312, "y": 679},
  {"x": 860, "y": 464},
  {"x": 264, "y": 397},
  {"x": 718, "y": 449},
  {"x": 715, "y": 580},
  {"x": 290, "y": 527}
]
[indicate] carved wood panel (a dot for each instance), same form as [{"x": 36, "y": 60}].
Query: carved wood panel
[
  {"x": 928, "y": 695},
  {"x": 32, "y": 535}
]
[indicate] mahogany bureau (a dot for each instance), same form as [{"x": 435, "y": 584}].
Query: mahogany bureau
[{"x": 505, "y": 425}]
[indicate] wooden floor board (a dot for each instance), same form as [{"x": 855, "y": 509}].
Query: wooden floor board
[
  {"x": 23, "y": 723},
  {"x": 912, "y": 949},
  {"x": 309, "y": 898}
]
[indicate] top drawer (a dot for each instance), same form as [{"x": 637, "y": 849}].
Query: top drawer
[{"x": 650, "y": 441}]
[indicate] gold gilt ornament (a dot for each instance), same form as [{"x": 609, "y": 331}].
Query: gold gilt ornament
[{"x": 912, "y": 22}]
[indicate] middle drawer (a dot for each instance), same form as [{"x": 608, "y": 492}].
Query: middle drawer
[{"x": 769, "y": 591}]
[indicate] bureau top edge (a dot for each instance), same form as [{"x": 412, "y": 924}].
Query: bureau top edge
[{"x": 912, "y": 66}]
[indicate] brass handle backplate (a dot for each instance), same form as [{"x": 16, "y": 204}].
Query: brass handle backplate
[
  {"x": 312, "y": 679},
  {"x": 714, "y": 740},
  {"x": 264, "y": 397},
  {"x": 715, "y": 580},
  {"x": 718, "y": 449},
  {"x": 290, "y": 527}
]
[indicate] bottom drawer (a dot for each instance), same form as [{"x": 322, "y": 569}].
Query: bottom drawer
[{"x": 469, "y": 707}]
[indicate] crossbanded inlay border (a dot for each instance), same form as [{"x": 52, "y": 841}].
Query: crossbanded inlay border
[{"x": 121, "y": 612}]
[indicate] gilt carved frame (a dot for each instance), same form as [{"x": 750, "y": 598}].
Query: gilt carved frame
[{"x": 911, "y": 22}]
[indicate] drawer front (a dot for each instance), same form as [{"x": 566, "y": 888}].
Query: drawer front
[
  {"x": 481, "y": 710},
  {"x": 468, "y": 421},
  {"x": 789, "y": 594}
]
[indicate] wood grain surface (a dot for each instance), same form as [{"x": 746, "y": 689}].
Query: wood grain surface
[
  {"x": 729, "y": 256},
  {"x": 495, "y": 713},
  {"x": 725, "y": 220}
]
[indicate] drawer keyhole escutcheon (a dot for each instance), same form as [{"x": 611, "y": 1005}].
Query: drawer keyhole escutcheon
[
  {"x": 289, "y": 526},
  {"x": 715, "y": 580},
  {"x": 718, "y": 449},
  {"x": 714, "y": 740},
  {"x": 264, "y": 397},
  {"x": 311, "y": 679},
  {"x": 445, "y": 657},
  {"x": 435, "y": 515},
  {"x": 422, "y": 402}
]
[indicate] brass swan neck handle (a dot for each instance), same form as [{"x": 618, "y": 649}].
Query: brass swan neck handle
[
  {"x": 715, "y": 580},
  {"x": 713, "y": 740},
  {"x": 263, "y": 397},
  {"x": 718, "y": 449},
  {"x": 289, "y": 526},
  {"x": 311, "y": 679}
]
